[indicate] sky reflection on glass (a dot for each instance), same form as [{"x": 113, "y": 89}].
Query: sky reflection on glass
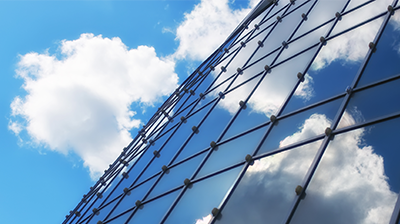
[{"x": 357, "y": 179}]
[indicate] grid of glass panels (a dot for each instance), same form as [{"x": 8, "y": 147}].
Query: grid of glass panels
[{"x": 294, "y": 119}]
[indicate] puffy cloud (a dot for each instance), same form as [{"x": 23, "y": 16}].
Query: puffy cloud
[
  {"x": 81, "y": 101},
  {"x": 305, "y": 90},
  {"x": 272, "y": 91},
  {"x": 350, "y": 181},
  {"x": 206, "y": 27},
  {"x": 352, "y": 46}
]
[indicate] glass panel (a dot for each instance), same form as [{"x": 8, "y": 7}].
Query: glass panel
[
  {"x": 276, "y": 85},
  {"x": 380, "y": 6},
  {"x": 201, "y": 89},
  {"x": 170, "y": 149},
  {"x": 332, "y": 71},
  {"x": 214, "y": 93},
  {"x": 132, "y": 174},
  {"x": 152, "y": 212},
  {"x": 232, "y": 152},
  {"x": 164, "y": 156},
  {"x": 91, "y": 205},
  {"x": 256, "y": 21},
  {"x": 175, "y": 176},
  {"x": 224, "y": 70},
  {"x": 302, "y": 43},
  {"x": 322, "y": 12},
  {"x": 241, "y": 59},
  {"x": 357, "y": 180},
  {"x": 301, "y": 126},
  {"x": 120, "y": 219},
  {"x": 218, "y": 119},
  {"x": 267, "y": 190},
  {"x": 103, "y": 212},
  {"x": 384, "y": 62},
  {"x": 362, "y": 14},
  {"x": 128, "y": 201},
  {"x": 372, "y": 103},
  {"x": 208, "y": 131},
  {"x": 198, "y": 201},
  {"x": 280, "y": 33}
]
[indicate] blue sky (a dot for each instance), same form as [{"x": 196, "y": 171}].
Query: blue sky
[
  {"x": 47, "y": 47},
  {"x": 78, "y": 79}
]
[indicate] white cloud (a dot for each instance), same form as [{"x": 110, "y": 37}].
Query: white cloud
[
  {"x": 81, "y": 102},
  {"x": 206, "y": 27},
  {"x": 272, "y": 91},
  {"x": 204, "y": 220},
  {"x": 352, "y": 46},
  {"x": 305, "y": 90},
  {"x": 350, "y": 185}
]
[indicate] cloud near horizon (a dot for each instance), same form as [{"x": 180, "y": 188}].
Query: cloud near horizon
[{"x": 81, "y": 102}]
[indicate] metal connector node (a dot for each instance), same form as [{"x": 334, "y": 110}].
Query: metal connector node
[
  {"x": 215, "y": 212},
  {"x": 328, "y": 131},
  {"x": 298, "y": 189},
  {"x": 248, "y": 158},
  {"x": 223, "y": 69},
  {"x": 242, "y": 105},
  {"x": 195, "y": 129},
  {"x": 187, "y": 182}
]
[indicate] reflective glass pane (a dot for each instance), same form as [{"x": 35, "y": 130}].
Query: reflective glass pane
[
  {"x": 205, "y": 84},
  {"x": 333, "y": 70},
  {"x": 175, "y": 176},
  {"x": 223, "y": 71},
  {"x": 152, "y": 212},
  {"x": 218, "y": 119},
  {"x": 378, "y": 6},
  {"x": 207, "y": 132},
  {"x": 267, "y": 190},
  {"x": 232, "y": 152},
  {"x": 103, "y": 212},
  {"x": 119, "y": 220},
  {"x": 301, "y": 126},
  {"x": 128, "y": 201},
  {"x": 357, "y": 180},
  {"x": 372, "y": 103},
  {"x": 206, "y": 194},
  {"x": 384, "y": 61},
  {"x": 281, "y": 32},
  {"x": 161, "y": 158},
  {"x": 261, "y": 21},
  {"x": 90, "y": 206},
  {"x": 302, "y": 43},
  {"x": 133, "y": 173},
  {"x": 360, "y": 15},
  {"x": 170, "y": 149},
  {"x": 276, "y": 85},
  {"x": 322, "y": 12}
]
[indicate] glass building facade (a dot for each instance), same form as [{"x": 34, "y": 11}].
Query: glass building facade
[{"x": 293, "y": 119}]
